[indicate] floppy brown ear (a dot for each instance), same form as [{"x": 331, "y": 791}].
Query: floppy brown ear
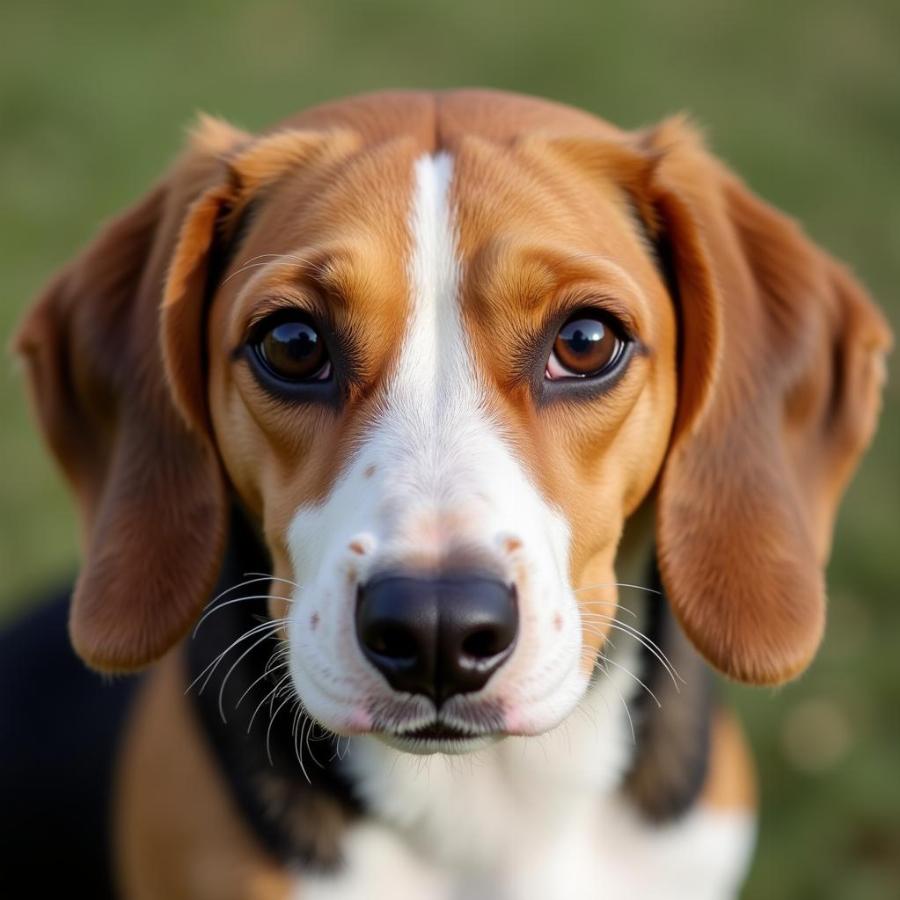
[
  {"x": 781, "y": 366},
  {"x": 114, "y": 349},
  {"x": 152, "y": 498}
]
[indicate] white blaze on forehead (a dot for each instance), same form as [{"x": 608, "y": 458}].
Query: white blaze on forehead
[
  {"x": 434, "y": 347},
  {"x": 433, "y": 396}
]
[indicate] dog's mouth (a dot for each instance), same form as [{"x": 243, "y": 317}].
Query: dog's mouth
[
  {"x": 437, "y": 731},
  {"x": 438, "y": 737}
]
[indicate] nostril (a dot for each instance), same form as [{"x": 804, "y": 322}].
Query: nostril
[
  {"x": 393, "y": 641},
  {"x": 483, "y": 644}
]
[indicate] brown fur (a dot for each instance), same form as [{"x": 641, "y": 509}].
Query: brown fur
[
  {"x": 150, "y": 491},
  {"x": 769, "y": 433}
]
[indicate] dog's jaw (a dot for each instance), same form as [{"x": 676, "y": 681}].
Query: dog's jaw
[{"x": 434, "y": 480}]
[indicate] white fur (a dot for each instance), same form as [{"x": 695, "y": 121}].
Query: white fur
[
  {"x": 703, "y": 856},
  {"x": 445, "y": 478}
]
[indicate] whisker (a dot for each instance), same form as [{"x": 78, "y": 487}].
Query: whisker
[
  {"x": 271, "y": 723},
  {"x": 269, "y": 670},
  {"x": 265, "y": 259},
  {"x": 219, "y": 606},
  {"x": 616, "y": 606},
  {"x": 212, "y": 666},
  {"x": 266, "y": 636},
  {"x": 642, "y": 639},
  {"x": 309, "y": 737},
  {"x": 337, "y": 754},
  {"x": 627, "y": 715},
  {"x": 658, "y": 655},
  {"x": 235, "y": 587},
  {"x": 261, "y": 577},
  {"x": 276, "y": 578},
  {"x": 621, "y": 700},
  {"x": 622, "y": 584},
  {"x": 300, "y": 716},
  {"x": 630, "y": 674},
  {"x": 601, "y": 665},
  {"x": 262, "y": 702}
]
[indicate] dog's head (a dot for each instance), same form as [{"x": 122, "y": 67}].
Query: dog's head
[{"x": 440, "y": 350}]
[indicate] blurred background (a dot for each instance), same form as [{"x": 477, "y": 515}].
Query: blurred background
[{"x": 803, "y": 99}]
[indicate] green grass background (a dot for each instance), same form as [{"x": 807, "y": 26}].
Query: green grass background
[{"x": 803, "y": 98}]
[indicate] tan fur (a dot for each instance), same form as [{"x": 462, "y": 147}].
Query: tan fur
[
  {"x": 572, "y": 238},
  {"x": 178, "y": 835},
  {"x": 731, "y": 782}
]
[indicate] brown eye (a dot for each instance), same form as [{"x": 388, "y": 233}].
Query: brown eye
[
  {"x": 585, "y": 347},
  {"x": 293, "y": 350}
]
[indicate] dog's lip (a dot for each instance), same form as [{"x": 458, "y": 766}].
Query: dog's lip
[
  {"x": 438, "y": 731},
  {"x": 438, "y": 737}
]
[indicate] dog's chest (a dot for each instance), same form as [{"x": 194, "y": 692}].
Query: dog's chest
[
  {"x": 528, "y": 820},
  {"x": 603, "y": 853}
]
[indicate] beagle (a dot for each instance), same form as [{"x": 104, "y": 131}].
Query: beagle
[{"x": 491, "y": 430}]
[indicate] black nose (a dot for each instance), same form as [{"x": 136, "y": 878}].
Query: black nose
[{"x": 436, "y": 636}]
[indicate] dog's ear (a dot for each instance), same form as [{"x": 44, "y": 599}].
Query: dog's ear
[
  {"x": 781, "y": 363},
  {"x": 119, "y": 389}
]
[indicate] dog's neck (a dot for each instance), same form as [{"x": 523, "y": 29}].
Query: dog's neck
[{"x": 300, "y": 790}]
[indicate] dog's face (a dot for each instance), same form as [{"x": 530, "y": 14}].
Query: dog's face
[
  {"x": 442, "y": 354},
  {"x": 450, "y": 393}
]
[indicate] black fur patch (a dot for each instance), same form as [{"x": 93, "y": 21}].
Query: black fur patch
[
  {"x": 60, "y": 729},
  {"x": 673, "y": 740},
  {"x": 297, "y": 821}
]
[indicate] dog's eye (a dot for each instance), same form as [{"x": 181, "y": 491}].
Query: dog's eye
[
  {"x": 585, "y": 347},
  {"x": 292, "y": 350}
]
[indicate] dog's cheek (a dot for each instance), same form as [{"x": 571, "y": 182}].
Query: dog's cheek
[
  {"x": 597, "y": 596},
  {"x": 281, "y": 591},
  {"x": 241, "y": 447}
]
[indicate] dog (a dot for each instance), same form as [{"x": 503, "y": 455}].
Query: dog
[{"x": 491, "y": 430}]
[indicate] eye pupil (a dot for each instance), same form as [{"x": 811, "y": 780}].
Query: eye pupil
[
  {"x": 293, "y": 339},
  {"x": 584, "y": 347},
  {"x": 294, "y": 351},
  {"x": 582, "y": 340}
]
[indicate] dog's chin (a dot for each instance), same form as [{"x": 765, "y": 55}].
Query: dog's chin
[{"x": 438, "y": 738}]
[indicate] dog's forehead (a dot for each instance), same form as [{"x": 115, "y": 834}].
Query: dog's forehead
[
  {"x": 501, "y": 179},
  {"x": 507, "y": 190}
]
